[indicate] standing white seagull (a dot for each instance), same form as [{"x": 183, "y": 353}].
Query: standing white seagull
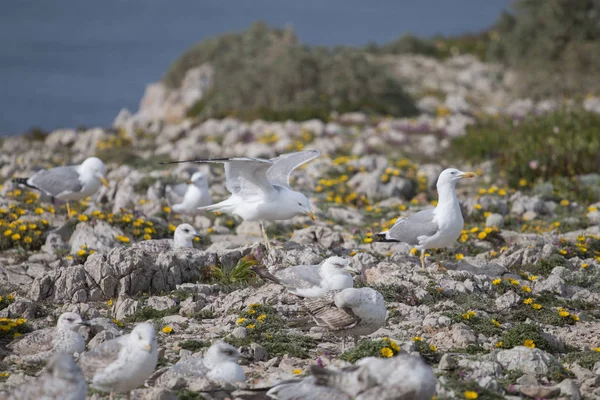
[
  {"x": 260, "y": 189},
  {"x": 71, "y": 182},
  {"x": 433, "y": 228},
  {"x": 185, "y": 198}
]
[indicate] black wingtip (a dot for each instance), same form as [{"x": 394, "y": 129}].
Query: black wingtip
[
  {"x": 264, "y": 273},
  {"x": 381, "y": 237},
  {"x": 22, "y": 181}
]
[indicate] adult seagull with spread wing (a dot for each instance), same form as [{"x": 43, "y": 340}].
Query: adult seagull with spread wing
[
  {"x": 433, "y": 228},
  {"x": 260, "y": 189}
]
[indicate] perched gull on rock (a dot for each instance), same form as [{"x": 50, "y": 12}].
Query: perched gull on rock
[
  {"x": 123, "y": 363},
  {"x": 42, "y": 344},
  {"x": 185, "y": 198},
  {"x": 433, "y": 228},
  {"x": 61, "y": 379},
  {"x": 260, "y": 189},
  {"x": 218, "y": 364},
  {"x": 311, "y": 280},
  {"x": 182, "y": 239},
  {"x": 71, "y": 182},
  {"x": 348, "y": 312},
  {"x": 403, "y": 377}
]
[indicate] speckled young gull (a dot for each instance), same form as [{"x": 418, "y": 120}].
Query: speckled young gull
[
  {"x": 218, "y": 364},
  {"x": 311, "y": 280},
  {"x": 433, "y": 228},
  {"x": 71, "y": 182},
  {"x": 123, "y": 363},
  {"x": 403, "y": 377},
  {"x": 40, "y": 345},
  {"x": 185, "y": 198},
  {"x": 260, "y": 189},
  {"x": 348, "y": 312},
  {"x": 61, "y": 379}
]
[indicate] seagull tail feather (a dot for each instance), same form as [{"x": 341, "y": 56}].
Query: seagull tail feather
[
  {"x": 264, "y": 273},
  {"x": 383, "y": 237},
  {"x": 23, "y": 181}
]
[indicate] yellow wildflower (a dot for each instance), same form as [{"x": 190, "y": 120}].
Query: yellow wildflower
[
  {"x": 417, "y": 339},
  {"x": 482, "y": 235},
  {"x": 459, "y": 256},
  {"x": 251, "y": 326},
  {"x": 240, "y": 321},
  {"x": 387, "y": 352},
  {"x": 464, "y": 237},
  {"x": 8, "y": 232},
  {"x": 27, "y": 239},
  {"x": 477, "y": 206},
  {"x": 82, "y": 217},
  {"x": 81, "y": 253},
  {"x": 147, "y": 236},
  {"x": 469, "y": 394},
  {"x": 167, "y": 209},
  {"x": 261, "y": 318},
  {"x": 167, "y": 329},
  {"x": 394, "y": 346},
  {"x": 110, "y": 302},
  {"x": 296, "y": 371},
  {"x": 496, "y": 281},
  {"x": 413, "y": 251},
  {"x": 529, "y": 343},
  {"x": 563, "y": 313},
  {"x": 499, "y": 344},
  {"x": 528, "y": 300},
  {"x": 15, "y": 237},
  {"x": 474, "y": 229},
  {"x": 574, "y": 317},
  {"x": 526, "y": 288},
  {"x": 432, "y": 347},
  {"x": 585, "y": 265},
  {"x": 123, "y": 239},
  {"x": 522, "y": 182},
  {"x": 495, "y": 322},
  {"x": 564, "y": 202},
  {"x": 39, "y": 211},
  {"x": 536, "y": 306},
  {"x": 251, "y": 311}
]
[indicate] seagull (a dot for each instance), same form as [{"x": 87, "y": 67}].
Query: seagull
[
  {"x": 123, "y": 363},
  {"x": 348, "y": 312},
  {"x": 403, "y": 377},
  {"x": 220, "y": 363},
  {"x": 61, "y": 379},
  {"x": 71, "y": 182},
  {"x": 260, "y": 189},
  {"x": 182, "y": 239},
  {"x": 185, "y": 198},
  {"x": 311, "y": 280},
  {"x": 433, "y": 228},
  {"x": 42, "y": 344}
]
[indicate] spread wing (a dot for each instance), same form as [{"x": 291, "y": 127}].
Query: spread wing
[
  {"x": 57, "y": 181},
  {"x": 244, "y": 176},
  {"x": 279, "y": 173},
  {"x": 33, "y": 343},
  {"x": 100, "y": 357},
  {"x": 324, "y": 312},
  {"x": 409, "y": 229}
]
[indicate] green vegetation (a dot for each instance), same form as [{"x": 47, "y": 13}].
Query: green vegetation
[
  {"x": 193, "y": 345},
  {"x": 371, "y": 348},
  {"x": 554, "y": 45},
  {"x": 550, "y": 146},
  {"x": 265, "y": 73},
  {"x": 586, "y": 359},
  {"x": 266, "y": 327},
  {"x": 147, "y": 313},
  {"x": 239, "y": 275},
  {"x": 521, "y": 333},
  {"x": 460, "y": 383}
]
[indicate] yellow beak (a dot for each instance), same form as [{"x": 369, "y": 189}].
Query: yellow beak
[
  {"x": 104, "y": 181},
  {"x": 148, "y": 347},
  {"x": 468, "y": 175},
  {"x": 311, "y": 215}
]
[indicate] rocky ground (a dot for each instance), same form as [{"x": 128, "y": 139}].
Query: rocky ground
[{"x": 515, "y": 316}]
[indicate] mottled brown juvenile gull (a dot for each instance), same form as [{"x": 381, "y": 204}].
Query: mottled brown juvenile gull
[
  {"x": 185, "y": 198},
  {"x": 311, "y": 280},
  {"x": 68, "y": 183},
  {"x": 433, "y": 228},
  {"x": 61, "y": 379},
  {"x": 348, "y": 312},
  {"x": 40, "y": 345},
  {"x": 123, "y": 363},
  {"x": 260, "y": 189}
]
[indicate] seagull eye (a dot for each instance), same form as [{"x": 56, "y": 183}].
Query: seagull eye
[
  {"x": 69, "y": 319},
  {"x": 453, "y": 173},
  {"x": 299, "y": 204}
]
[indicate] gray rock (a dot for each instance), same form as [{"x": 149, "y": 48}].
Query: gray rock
[
  {"x": 239, "y": 332},
  {"x": 54, "y": 242},
  {"x": 322, "y": 235},
  {"x": 125, "y": 307},
  {"x": 97, "y": 235},
  {"x": 153, "y": 394},
  {"x": 463, "y": 335},
  {"x": 507, "y": 300},
  {"x": 160, "y": 303},
  {"x": 447, "y": 362},
  {"x": 553, "y": 284},
  {"x": 530, "y": 361},
  {"x": 569, "y": 388},
  {"x": 539, "y": 392},
  {"x": 494, "y": 220}
]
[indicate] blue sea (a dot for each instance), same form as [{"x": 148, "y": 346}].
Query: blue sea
[{"x": 68, "y": 63}]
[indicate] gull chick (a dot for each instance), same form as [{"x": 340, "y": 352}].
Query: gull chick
[
  {"x": 185, "y": 198},
  {"x": 311, "y": 280},
  {"x": 260, "y": 189},
  {"x": 42, "y": 344},
  {"x": 220, "y": 363},
  {"x": 348, "y": 312},
  {"x": 71, "y": 182},
  {"x": 123, "y": 363},
  {"x": 433, "y": 228},
  {"x": 61, "y": 379}
]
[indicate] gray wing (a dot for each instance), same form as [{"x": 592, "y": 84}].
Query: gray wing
[
  {"x": 175, "y": 193},
  {"x": 280, "y": 171},
  {"x": 100, "y": 357},
  {"x": 409, "y": 229},
  {"x": 57, "y": 181},
  {"x": 300, "y": 276},
  {"x": 187, "y": 368},
  {"x": 304, "y": 389},
  {"x": 325, "y": 313},
  {"x": 34, "y": 342}
]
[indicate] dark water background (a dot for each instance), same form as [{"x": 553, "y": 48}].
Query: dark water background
[{"x": 68, "y": 63}]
